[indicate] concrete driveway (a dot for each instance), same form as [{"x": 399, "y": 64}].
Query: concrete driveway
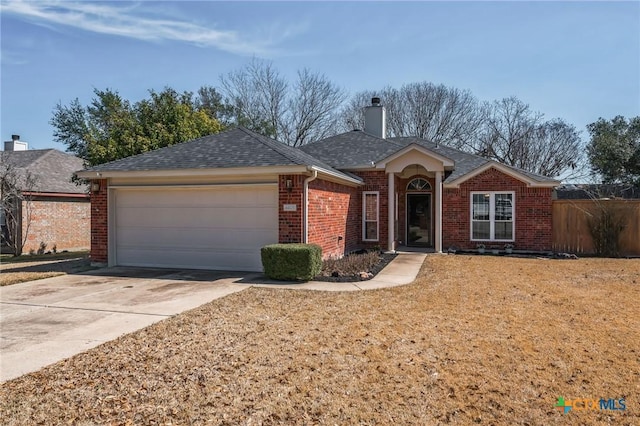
[{"x": 44, "y": 321}]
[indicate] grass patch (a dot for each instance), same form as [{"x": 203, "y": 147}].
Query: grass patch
[
  {"x": 29, "y": 268},
  {"x": 8, "y": 278}
]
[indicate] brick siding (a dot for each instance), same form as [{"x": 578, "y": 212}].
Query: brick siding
[
  {"x": 99, "y": 231},
  {"x": 290, "y": 222},
  {"x": 334, "y": 211},
  {"x": 60, "y": 222},
  {"x": 532, "y": 216},
  {"x": 374, "y": 181},
  {"x": 333, "y": 221}
]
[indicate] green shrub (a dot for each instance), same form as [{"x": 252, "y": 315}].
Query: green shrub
[{"x": 291, "y": 261}]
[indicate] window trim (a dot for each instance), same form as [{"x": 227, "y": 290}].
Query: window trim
[
  {"x": 492, "y": 216},
  {"x": 364, "y": 215},
  {"x": 426, "y": 187}
]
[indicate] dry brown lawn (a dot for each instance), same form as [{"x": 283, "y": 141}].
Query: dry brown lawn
[{"x": 476, "y": 339}]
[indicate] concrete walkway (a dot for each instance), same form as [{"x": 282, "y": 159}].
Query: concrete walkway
[
  {"x": 402, "y": 270},
  {"x": 46, "y": 321}
]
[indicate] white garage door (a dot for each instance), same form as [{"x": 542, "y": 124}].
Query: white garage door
[{"x": 202, "y": 228}]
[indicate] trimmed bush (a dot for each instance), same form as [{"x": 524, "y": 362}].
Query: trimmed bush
[{"x": 291, "y": 261}]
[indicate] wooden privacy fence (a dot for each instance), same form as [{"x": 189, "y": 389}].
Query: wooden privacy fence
[{"x": 571, "y": 220}]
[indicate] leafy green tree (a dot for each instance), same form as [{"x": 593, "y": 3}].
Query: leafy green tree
[
  {"x": 212, "y": 102},
  {"x": 110, "y": 127},
  {"x": 614, "y": 149}
]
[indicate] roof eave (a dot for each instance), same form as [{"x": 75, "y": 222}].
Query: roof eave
[
  {"x": 56, "y": 194},
  {"x": 456, "y": 184},
  {"x": 331, "y": 175},
  {"x": 336, "y": 176},
  {"x": 213, "y": 172}
]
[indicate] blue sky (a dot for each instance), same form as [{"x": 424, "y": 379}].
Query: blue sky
[{"x": 575, "y": 60}]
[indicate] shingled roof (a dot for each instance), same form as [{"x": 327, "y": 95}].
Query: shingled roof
[
  {"x": 358, "y": 149},
  {"x": 52, "y": 169},
  {"x": 352, "y": 150},
  {"x": 239, "y": 147},
  {"x": 465, "y": 162}
]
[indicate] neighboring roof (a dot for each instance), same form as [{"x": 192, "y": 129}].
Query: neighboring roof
[
  {"x": 595, "y": 191},
  {"x": 52, "y": 169},
  {"x": 236, "y": 148}
]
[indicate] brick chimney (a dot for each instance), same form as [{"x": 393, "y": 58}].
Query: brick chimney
[
  {"x": 15, "y": 144},
  {"x": 375, "y": 119}
]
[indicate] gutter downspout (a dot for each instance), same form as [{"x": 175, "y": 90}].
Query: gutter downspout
[{"x": 305, "y": 216}]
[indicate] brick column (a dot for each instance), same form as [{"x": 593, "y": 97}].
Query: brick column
[
  {"x": 290, "y": 221},
  {"x": 438, "y": 212},
  {"x": 99, "y": 225},
  {"x": 391, "y": 213}
]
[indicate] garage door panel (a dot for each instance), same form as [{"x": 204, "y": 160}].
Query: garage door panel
[
  {"x": 213, "y": 228},
  {"x": 220, "y": 197},
  {"x": 201, "y": 238},
  {"x": 226, "y": 260},
  {"x": 218, "y": 217}
]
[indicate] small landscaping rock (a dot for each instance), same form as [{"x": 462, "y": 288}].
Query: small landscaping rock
[{"x": 365, "y": 275}]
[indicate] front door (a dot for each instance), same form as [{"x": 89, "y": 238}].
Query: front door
[{"x": 419, "y": 220}]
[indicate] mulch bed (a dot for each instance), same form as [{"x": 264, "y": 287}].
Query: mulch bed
[{"x": 355, "y": 274}]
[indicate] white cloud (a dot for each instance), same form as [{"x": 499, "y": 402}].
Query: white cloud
[{"x": 125, "y": 20}]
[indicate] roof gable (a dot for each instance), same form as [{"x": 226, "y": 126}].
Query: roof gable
[
  {"x": 397, "y": 161},
  {"x": 530, "y": 179}
]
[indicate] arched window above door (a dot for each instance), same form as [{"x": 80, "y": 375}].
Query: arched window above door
[{"x": 419, "y": 184}]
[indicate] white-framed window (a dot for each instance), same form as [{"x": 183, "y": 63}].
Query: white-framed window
[
  {"x": 492, "y": 216},
  {"x": 419, "y": 184},
  {"x": 370, "y": 222}
]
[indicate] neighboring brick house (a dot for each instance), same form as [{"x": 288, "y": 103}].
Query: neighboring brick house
[
  {"x": 52, "y": 209},
  {"x": 213, "y": 202}
]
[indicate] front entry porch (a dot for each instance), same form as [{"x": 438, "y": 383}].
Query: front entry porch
[
  {"x": 415, "y": 170},
  {"x": 415, "y": 207}
]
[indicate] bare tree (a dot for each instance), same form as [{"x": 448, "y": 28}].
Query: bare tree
[
  {"x": 441, "y": 114},
  {"x": 434, "y": 112},
  {"x": 352, "y": 114},
  {"x": 312, "y": 113},
  {"x": 295, "y": 114},
  {"x": 16, "y": 203},
  {"x": 257, "y": 92},
  {"x": 515, "y": 135}
]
